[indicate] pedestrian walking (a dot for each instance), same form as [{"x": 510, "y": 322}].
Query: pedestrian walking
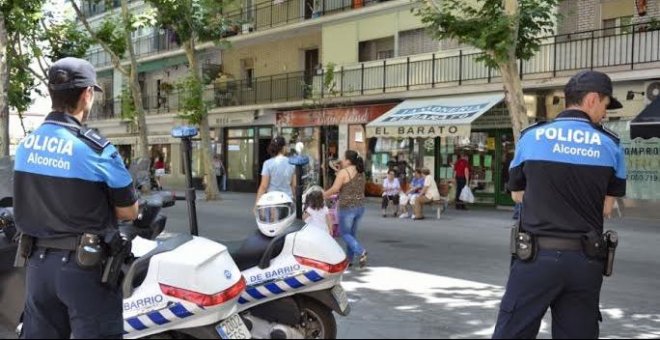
[
  {"x": 70, "y": 188},
  {"x": 566, "y": 173},
  {"x": 220, "y": 173},
  {"x": 462, "y": 178},
  {"x": 350, "y": 185},
  {"x": 159, "y": 171},
  {"x": 277, "y": 174}
]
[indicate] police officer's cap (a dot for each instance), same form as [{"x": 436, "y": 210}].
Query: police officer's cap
[
  {"x": 593, "y": 81},
  {"x": 72, "y": 73}
]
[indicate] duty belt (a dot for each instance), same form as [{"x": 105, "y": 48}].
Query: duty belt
[
  {"x": 554, "y": 243},
  {"x": 61, "y": 243}
]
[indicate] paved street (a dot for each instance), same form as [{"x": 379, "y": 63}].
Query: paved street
[{"x": 444, "y": 279}]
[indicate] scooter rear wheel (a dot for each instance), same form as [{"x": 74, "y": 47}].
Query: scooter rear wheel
[{"x": 317, "y": 321}]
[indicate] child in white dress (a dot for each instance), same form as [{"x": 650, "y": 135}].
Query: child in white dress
[{"x": 316, "y": 213}]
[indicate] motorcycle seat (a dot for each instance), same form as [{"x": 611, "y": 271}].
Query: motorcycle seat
[
  {"x": 251, "y": 251},
  {"x": 137, "y": 270}
]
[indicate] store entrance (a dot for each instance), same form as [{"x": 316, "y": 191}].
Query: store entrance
[{"x": 506, "y": 152}]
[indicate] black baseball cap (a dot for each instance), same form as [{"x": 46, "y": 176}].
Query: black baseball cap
[
  {"x": 72, "y": 73},
  {"x": 593, "y": 81}
]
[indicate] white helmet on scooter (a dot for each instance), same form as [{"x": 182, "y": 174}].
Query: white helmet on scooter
[{"x": 275, "y": 212}]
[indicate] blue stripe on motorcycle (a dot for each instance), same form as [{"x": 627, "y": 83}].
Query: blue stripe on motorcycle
[
  {"x": 313, "y": 276},
  {"x": 136, "y": 324},
  {"x": 273, "y": 288},
  {"x": 158, "y": 318},
  {"x": 242, "y": 301},
  {"x": 293, "y": 283},
  {"x": 180, "y": 311},
  {"x": 255, "y": 293}
]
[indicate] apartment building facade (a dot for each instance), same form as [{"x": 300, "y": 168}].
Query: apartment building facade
[{"x": 324, "y": 72}]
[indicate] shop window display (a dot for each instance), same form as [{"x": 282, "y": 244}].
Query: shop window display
[{"x": 481, "y": 151}]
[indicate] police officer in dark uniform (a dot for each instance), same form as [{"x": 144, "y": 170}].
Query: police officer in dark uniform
[
  {"x": 70, "y": 189},
  {"x": 568, "y": 173}
]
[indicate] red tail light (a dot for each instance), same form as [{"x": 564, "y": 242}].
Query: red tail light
[
  {"x": 203, "y": 299},
  {"x": 326, "y": 267}
]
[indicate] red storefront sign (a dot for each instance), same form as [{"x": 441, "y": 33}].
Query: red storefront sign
[{"x": 332, "y": 116}]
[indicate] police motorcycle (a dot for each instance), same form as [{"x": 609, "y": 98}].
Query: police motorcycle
[
  {"x": 171, "y": 287},
  {"x": 293, "y": 275}
]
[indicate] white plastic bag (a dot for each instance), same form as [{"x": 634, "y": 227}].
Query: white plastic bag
[{"x": 466, "y": 195}]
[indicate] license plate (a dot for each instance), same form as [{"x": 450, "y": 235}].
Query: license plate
[
  {"x": 342, "y": 298},
  {"x": 233, "y": 328}
]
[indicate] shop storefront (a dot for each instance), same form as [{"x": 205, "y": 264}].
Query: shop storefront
[
  {"x": 640, "y": 140},
  {"x": 327, "y": 133},
  {"x": 241, "y": 142},
  {"x": 433, "y": 133}
]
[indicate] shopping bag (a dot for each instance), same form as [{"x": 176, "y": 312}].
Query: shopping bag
[{"x": 466, "y": 195}]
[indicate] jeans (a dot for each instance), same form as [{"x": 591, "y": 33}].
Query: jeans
[
  {"x": 516, "y": 211},
  {"x": 348, "y": 222}
]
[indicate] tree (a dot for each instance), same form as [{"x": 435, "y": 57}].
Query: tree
[
  {"x": 195, "y": 21},
  {"x": 115, "y": 39},
  {"x": 505, "y": 30},
  {"x": 17, "y": 19}
]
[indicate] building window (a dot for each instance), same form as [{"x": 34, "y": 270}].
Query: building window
[
  {"x": 416, "y": 41},
  {"x": 615, "y": 26},
  {"x": 376, "y": 49}
]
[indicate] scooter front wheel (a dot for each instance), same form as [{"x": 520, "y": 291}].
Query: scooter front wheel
[{"x": 317, "y": 321}]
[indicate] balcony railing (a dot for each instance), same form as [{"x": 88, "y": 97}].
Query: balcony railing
[
  {"x": 258, "y": 17},
  {"x": 271, "y": 14},
  {"x": 558, "y": 54},
  {"x": 152, "y": 44}
]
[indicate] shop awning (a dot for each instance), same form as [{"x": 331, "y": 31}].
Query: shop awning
[
  {"x": 434, "y": 117},
  {"x": 647, "y": 124}
]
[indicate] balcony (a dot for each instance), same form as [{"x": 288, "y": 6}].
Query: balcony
[
  {"x": 277, "y": 13},
  {"x": 257, "y": 18},
  {"x": 152, "y": 44},
  {"x": 94, "y": 8},
  {"x": 558, "y": 55}
]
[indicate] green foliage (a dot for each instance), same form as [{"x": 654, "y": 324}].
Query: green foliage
[
  {"x": 483, "y": 24},
  {"x": 202, "y": 20},
  {"x": 191, "y": 100},
  {"x": 128, "y": 111},
  {"x": 67, "y": 40},
  {"x": 113, "y": 35},
  {"x": 21, "y": 82}
]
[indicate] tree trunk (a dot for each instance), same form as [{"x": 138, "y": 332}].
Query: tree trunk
[
  {"x": 212, "y": 191},
  {"x": 511, "y": 77},
  {"x": 515, "y": 99},
  {"x": 136, "y": 90},
  {"x": 4, "y": 87}
]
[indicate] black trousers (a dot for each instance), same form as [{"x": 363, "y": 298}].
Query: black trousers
[
  {"x": 460, "y": 184},
  {"x": 567, "y": 282},
  {"x": 64, "y": 300},
  {"x": 387, "y": 199}
]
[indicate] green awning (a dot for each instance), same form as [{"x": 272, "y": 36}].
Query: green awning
[{"x": 160, "y": 64}]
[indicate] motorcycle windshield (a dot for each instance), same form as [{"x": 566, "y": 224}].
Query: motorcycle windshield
[
  {"x": 139, "y": 170},
  {"x": 6, "y": 178}
]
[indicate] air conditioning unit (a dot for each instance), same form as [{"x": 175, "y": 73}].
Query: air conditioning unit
[{"x": 652, "y": 91}]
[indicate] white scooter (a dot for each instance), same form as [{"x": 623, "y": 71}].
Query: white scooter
[
  {"x": 170, "y": 288},
  {"x": 294, "y": 279}
]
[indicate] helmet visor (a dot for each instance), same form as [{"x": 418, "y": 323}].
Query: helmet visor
[{"x": 274, "y": 214}]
